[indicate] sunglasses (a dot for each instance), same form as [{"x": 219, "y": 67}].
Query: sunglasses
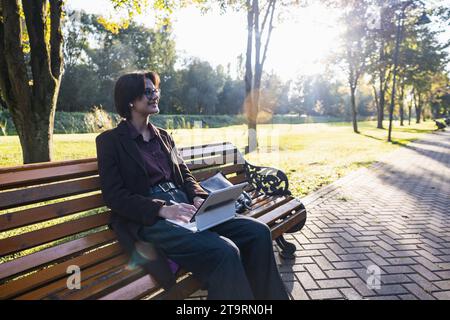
[{"x": 150, "y": 92}]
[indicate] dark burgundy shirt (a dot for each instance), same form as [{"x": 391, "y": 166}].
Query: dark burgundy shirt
[{"x": 155, "y": 159}]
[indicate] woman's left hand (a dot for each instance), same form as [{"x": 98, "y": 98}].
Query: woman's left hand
[{"x": 198, "y": 202}]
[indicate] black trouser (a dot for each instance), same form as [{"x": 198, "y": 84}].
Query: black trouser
[{"x": 233, "y": 260}]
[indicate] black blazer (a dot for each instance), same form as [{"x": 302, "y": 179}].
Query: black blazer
[{"x": 124, "y": 184}]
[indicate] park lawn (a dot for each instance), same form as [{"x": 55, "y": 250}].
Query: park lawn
[{"x": 312, "y": 155}]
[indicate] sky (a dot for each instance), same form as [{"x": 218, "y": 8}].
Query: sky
[{"x": 300, "y": 43}]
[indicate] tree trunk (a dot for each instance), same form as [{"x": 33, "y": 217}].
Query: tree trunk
[
  {"x": 375, "y": 97},
  {"x": 354, "y": 110},
  {"x": 401, "y": 103},
  {"x": 400, "y": 24},
  {"x": 31, "y": 97},
  {"x": 382, "y": 96},
  {"x": 409, "y": 113},
  {"x": 36, "y": 139},
  {"x": 253, "y": 85},
  {"x": 249, "y": 104},
  {"x": 418, "y": 105}
]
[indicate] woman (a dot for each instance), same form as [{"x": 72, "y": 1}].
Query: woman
[{"x": 141, "y": 171}]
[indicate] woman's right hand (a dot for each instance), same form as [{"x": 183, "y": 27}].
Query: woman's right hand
[{"x": 181, "y": 211}]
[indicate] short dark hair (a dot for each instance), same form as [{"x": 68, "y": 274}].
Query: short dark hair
[{"x": 129, "y": 87}]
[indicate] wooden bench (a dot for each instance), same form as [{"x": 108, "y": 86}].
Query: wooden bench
[{"x": 52, "y": 216}]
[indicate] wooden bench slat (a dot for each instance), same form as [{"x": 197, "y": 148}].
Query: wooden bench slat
[
  {"x": 267, "y": 203},
  {"x": 211, "y": 162},
  {"x": 49, "y": 255},
  {"x": 184, "y": 289},
  {"x": 57, "y": 289},
  {"x": 288, "y": 223},
  {"x": 55, "y": 272},
  {"x": 21, "y": 197},
  {"x": 134, "y": 290},
  {"x": 47, "y": 212},
  {"x": 235, "y": 168},
  {"x": 105, "y": 283},
  {"x": 45, "y": 175},
  {"x": 238, "y": 178},
  {"x": 280, "y": 211},
  {"x": 262, "y": 210},
  {"x": 35, "y": 238},
  {"x": 190, "y": 153},
  {"x": 42, "y": 165}
]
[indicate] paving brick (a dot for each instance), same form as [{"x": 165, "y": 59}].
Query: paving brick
[
  {"x": 323, "y": 263},
  {"x": 442, "y": 295},
  {"x": 325, "y": 294},
  {"x": 314, "y": 246},
  {"x": 395, "y": 279},
  {"x": 443, "y": 274},
  {"x": 408, "y": 297},
  {"x": 352, "y": 257},
  {"x": 376, "y": 259},
  {"x": 330, "y": 255},
  {"x": 400, "y": 261},
  {"x": 392, "y": 289},
  {"x": 340, "y": 273},
  {"x": 306, "y": 280},
  {"x": 361, "y": 287},
  {"x": 347, "y": 265},
  {"x": 426, "y": 285},
  {"x": 444, "y": 285},
  {"x": 335, "y": 283},
  {"x": 315, "y": 272},
  {"x": 296, "y": 291},
  {"x": 418, "y": 292},
  {"x": 398, "y": 269},
  {"x": 350, "y": 294},
  {"x": 384, "y": 298},
  {"x": 427, "y": 274}
]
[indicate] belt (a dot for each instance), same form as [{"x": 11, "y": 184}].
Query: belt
[{"x": 164, "y": 187}]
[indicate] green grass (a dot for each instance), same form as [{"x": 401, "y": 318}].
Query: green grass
[{"x": 312, "y": 155}]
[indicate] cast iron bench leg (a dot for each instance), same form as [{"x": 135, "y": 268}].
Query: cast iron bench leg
[{"x": 287, "y": 248}]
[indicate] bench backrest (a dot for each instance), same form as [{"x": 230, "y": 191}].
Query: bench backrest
[{"x": 53, "y": 214}]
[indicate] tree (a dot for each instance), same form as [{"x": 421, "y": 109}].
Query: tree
[
  {"x": 260, "y": 24},
  {"x": 31, "y": 65},
  {"x": 380, "y": 64},
  {"x": 93, "y": 66},
  {"x": 355, "y": 49},
  {"x": 425, "y": 58},
  {"x": 30, "y": 71}
]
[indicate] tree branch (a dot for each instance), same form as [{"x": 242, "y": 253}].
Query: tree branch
[
  {"x": 269, "y": 34},
  {"x": 256, "y": 13},
  {"x": 35, "y": 18},
  {"x": 5, "y": 85},
  {"x": 14, "y": 59},
  {"x": 266, "y": 15},
  {"x": 56, "y": 38},
  {"x": 248, "y": 61}
]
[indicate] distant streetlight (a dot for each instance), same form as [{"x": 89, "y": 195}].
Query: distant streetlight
[{"x": 400, "y": 25}]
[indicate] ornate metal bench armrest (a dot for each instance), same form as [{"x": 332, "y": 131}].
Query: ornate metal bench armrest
[{"x": 270, "y": 181}]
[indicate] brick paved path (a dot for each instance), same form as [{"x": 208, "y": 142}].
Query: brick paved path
[{"x": 394, "y": 215}]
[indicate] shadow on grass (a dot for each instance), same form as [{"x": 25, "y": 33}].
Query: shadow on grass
[
  {"x": 411, "y": 130},
  {"x": 372, "y": 137},
  {"x": 402, "y": 142},
  {"x": 364, "y": 163}
]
